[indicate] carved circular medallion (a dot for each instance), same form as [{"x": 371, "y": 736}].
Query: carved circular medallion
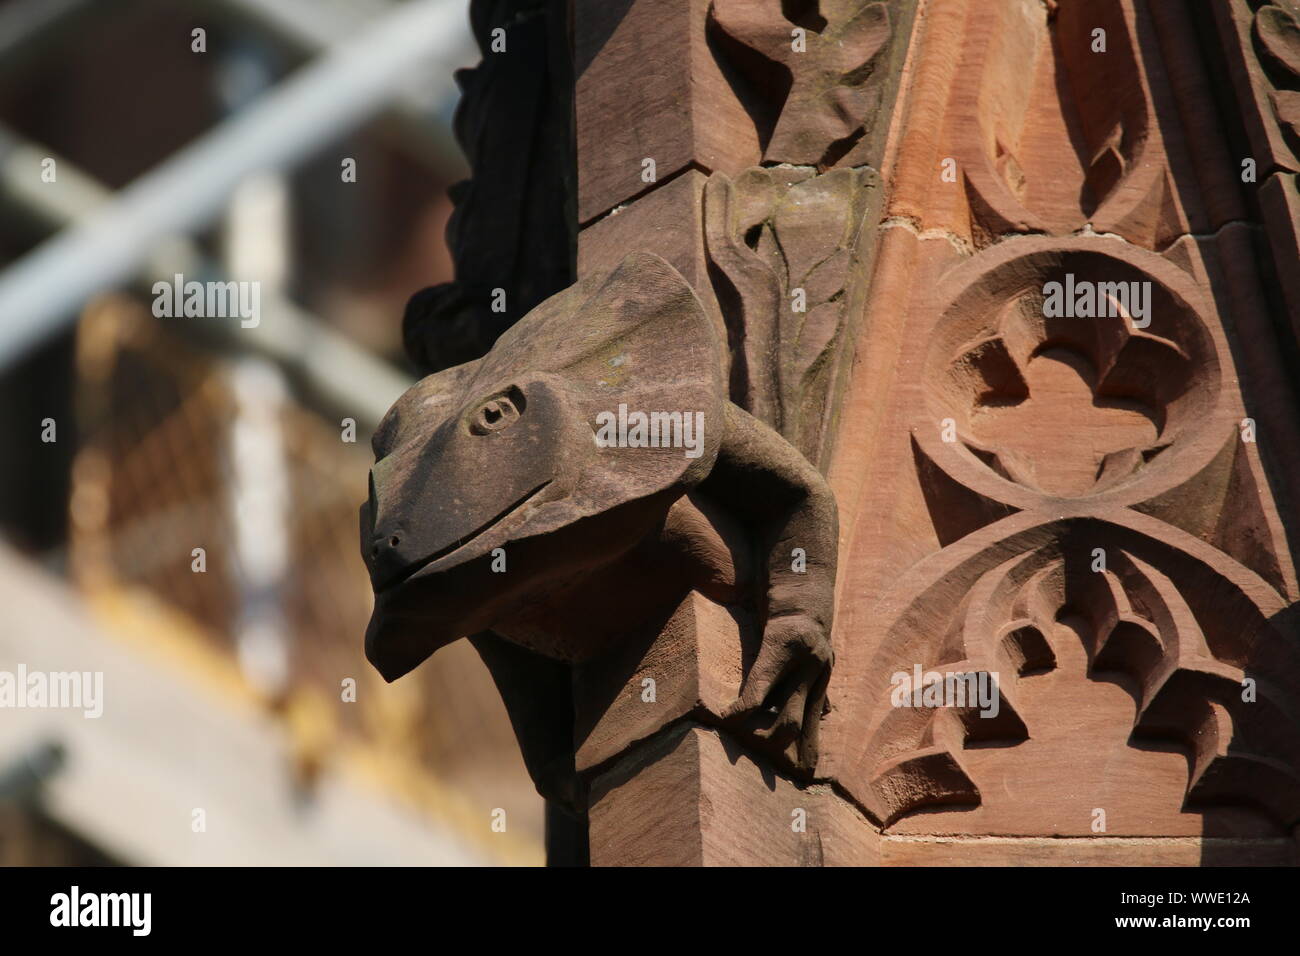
[{"x": 1070, "y": 370}]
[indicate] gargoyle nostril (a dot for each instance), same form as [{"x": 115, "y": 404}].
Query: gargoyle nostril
[{"x": 379, "y": 545}]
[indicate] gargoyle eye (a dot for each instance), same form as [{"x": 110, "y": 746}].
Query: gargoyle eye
[{"x": 498, "y": 412}]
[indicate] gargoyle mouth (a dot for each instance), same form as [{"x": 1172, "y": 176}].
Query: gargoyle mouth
[{"x": 416, "y": 567}]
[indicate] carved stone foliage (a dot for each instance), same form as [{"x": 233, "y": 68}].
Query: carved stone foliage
[
  {"x": 787, "y": 243},
  {"x": 811, "y": 74},
  {"x": 782, "y": 246},
  {"x": 735, "y": 84},
  {"x": 1278, "y": 36},
  {"x": 785, "y": 113},
  {"x": 1262, "y": 41}
]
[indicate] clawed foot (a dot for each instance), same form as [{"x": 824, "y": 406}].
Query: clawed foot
[{"x": 784, "y": 695}]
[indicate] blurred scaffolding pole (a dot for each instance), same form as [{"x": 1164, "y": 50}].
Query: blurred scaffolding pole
[
  {"x": 29, "y": 27},
  {"x": 42, "y": 292},
  {"x": 340, "y": 372},
  {"x": 418, "y": 116}
]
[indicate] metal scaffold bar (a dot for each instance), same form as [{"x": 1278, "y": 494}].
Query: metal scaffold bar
[
  {"x": 419, "y": 116},
  {"x": 340, "y": 372},
  {"x": 41, "y": 292}
]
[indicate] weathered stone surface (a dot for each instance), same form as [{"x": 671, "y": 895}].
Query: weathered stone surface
[
  {"x": 677, "y": 802},
  {"x": 719, "y": 86},
  {"x": 1095, "y": 851},
  {"x": 669, "y": 221},
  {"x": 818, "y": 74},
  {"x": 693, "y": 664},
  {"x": 788, "y": 250},
  {"x": 648, "y": 88}
]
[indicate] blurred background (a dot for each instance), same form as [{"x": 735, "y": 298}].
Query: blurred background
[{"x": 178, "y": 496}]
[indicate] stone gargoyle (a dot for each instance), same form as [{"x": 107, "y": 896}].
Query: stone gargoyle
[{"x": 505, "y": 505}]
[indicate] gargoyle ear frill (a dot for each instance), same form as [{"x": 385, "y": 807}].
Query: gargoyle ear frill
[{"x": 636, "y": 337}]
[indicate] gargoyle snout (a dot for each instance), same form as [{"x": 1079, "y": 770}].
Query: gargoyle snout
[{"x": 386, "y": 558}]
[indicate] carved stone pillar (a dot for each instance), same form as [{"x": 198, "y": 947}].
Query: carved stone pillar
[{"x": 741, "y": 142}]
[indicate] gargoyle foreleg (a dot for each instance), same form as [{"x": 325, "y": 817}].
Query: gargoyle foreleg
[{"x": 792, "y": 513}]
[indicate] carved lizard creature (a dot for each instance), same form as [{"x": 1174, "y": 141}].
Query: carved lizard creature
[{"x": 494, "y": 512}]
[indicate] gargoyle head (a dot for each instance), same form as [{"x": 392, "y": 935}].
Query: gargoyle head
[{"x": 490, "y": 492}]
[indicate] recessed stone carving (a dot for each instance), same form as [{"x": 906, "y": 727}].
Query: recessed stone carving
[
  {"x": 1278, "y": 35},
  {"x": 1032, "y": 599},
  {"x": 1076, "y": 404},
  {"x": 1035, "y": 160}
]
